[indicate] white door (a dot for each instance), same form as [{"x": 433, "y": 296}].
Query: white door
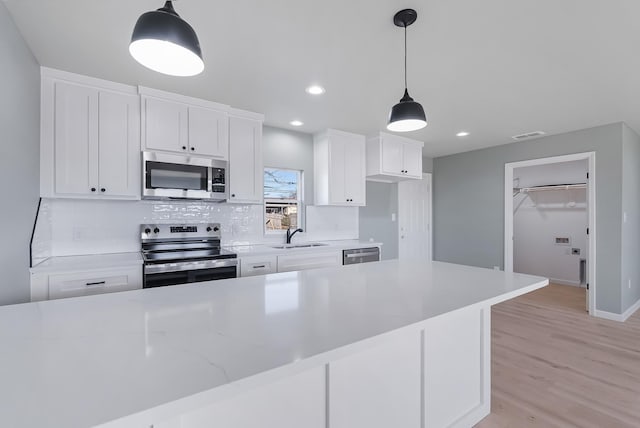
[
  {"x": 355, "y": 172},
  {"x": 165, "y": 125},
  {"x": 412, "y": 159},
  {"x": 119, "y": 144},
  {"x": 76, "y": 144},
  {"x": 208, "y": 132},
  {"x": 414, "y": 218},
  {"x": 245, "y": 161}
]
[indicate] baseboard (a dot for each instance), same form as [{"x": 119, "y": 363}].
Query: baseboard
[
  {"x": 619, "y": 317},
  {"x": 566, "y": 282}
]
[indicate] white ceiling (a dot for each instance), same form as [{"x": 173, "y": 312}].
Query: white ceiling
[{"x": 495, "y": 68}]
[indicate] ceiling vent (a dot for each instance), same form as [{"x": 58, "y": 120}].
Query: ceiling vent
[{"x": 528, "y": 135}]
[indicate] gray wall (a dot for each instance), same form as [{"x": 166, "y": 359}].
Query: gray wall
[
  {"x": 282, "y": 148},
  {"x": 630, "y": 206},
  {"x": 469, "y": 202},
  {"x": 427, "y": 165},
  {"x": 19, "y": 158},
  {"x": 375, "y": 219}
]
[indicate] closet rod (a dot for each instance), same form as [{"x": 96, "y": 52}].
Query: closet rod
[{"x": 550, "y": 187}]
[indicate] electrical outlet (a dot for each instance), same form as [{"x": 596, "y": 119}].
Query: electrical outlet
[
  {"x": 393, "y": 216},
  {"x": 629, "y": 283},
  {"x": 496, "y": 268}
]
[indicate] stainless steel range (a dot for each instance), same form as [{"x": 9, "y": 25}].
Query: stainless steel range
[{"x": 183, "y": 253}]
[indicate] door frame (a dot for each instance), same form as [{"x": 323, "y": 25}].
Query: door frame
[
  {"x": 591, "y": 213},
  {"x": 429, "y": 177}
]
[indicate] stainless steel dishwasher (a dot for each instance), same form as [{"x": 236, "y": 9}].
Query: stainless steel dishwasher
[{"x": 360, "y": 255}]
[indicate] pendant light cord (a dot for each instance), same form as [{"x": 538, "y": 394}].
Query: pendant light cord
[{"x": 405, "y": 57}]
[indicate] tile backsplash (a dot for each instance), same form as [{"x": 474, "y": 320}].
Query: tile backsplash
[{"x": 78, "y": 226}]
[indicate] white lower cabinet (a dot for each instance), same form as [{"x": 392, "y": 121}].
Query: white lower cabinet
[
  {"x": 84, "y": 283},
  {"x": 258, "y": 265},
  {"x": 294, "y": 402},
  {"x": 294, "y": 262},
  {"x": 378, "y": 387}
]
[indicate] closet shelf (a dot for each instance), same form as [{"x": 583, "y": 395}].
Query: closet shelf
[{"x": 550, "y": 187}]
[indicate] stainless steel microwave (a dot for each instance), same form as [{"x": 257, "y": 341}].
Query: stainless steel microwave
[{"x": 168, "y": 176}]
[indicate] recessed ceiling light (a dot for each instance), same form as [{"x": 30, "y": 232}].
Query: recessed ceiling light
[
  {"x": 462, "y": 134},
  {"x": 315, "y": 90},
  {"x": 296, "y": 123}
]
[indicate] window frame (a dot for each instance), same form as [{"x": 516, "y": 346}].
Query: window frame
[{"x": 299, "y": 201}]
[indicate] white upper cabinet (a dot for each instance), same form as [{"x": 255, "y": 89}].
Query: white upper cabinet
[
  {"x": 339, "y": 168},
  {"x": 393, "y": 158},
  {"x": 90, "y": 138},
  {"x": 246, "y": 171},
  {"x": 179, "y": 124}
]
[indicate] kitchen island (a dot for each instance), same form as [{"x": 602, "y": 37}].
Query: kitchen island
[{"x": 394, "y": 343}]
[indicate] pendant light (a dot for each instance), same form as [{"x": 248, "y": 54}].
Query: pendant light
[
  {"x": 407, "y": 115},
  {"x": 164, "y": 42}
]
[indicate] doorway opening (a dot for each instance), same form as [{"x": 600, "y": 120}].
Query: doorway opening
[{"x": 550, "y": 221}]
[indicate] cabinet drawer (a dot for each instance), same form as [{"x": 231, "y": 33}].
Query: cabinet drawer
[
  {"x": 252, "y": 266},
  {"x": 309, "y": 261},
  {"x": 94, "y": 282}
]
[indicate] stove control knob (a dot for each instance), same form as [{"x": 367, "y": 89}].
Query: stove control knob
[
  {"x": 215, "y": 229},
  {"x": 156, "y": 230},
  {"x": 147, "y": 231},
  {"x": 209, "y": 229}
]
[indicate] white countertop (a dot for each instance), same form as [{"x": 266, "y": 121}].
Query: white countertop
[
  {"x": 59, "y": 264},
  {"x": 85, "y": 361},
  {"x": 87, "y": 262},
  {"x": 269, "y": 249}
]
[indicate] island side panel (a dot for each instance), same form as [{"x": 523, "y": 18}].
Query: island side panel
[{"x": 457, "y": 368}]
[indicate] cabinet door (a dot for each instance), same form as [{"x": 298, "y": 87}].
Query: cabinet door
[
  {"x": 119, "y": 145},
  {"x": 245, "y": 161},
  {"x": 337, "y": 169},
  {"x": 355, "y": 172},
  {"x": 208, "y": 132},
  {"x": 165, "y": 125},
  {"x": 76, "y": 139},
  {"x": 378, "y": 387},
  {"x": 412, "y": 159},
  {"x": 392, "y": 158}
]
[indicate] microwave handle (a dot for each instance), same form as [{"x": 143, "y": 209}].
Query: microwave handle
[{"x": 209, "y": 180}]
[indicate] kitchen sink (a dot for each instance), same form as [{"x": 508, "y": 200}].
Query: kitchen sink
[{"x": 290, "y": 246}]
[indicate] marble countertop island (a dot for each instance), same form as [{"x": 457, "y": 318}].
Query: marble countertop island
[{"x": 92, "y": 360}]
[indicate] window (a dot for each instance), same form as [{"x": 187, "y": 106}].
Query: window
[{"x": 282, "y": 199}]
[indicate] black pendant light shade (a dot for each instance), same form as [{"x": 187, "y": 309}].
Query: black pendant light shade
[
  {"x": 407, "y": 115},
  {"x": 164, "y": 42}
]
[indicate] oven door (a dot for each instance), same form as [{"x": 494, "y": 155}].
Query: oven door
[
  {"x": 160, "y": 275},
  {"x": 167, "y": 176}
]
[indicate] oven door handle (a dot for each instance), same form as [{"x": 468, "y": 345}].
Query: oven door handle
[{"x": 150, "y": 269}]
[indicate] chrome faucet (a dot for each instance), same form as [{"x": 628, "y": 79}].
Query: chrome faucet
[{"x": 290, "y": 234}]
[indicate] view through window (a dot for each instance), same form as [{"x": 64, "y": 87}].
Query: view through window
[{"x": 282, "y": 199}]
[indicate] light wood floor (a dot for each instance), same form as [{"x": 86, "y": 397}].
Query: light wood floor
[{"x": 554, "y": 366}]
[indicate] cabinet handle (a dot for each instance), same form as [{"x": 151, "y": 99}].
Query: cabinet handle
[
  {"x": 96, "y": 283},
  {"x": 193, "y": 148},
  {"x": 259, "y": 267},
  {"x": 184, "y": 147},
  {"x": 103, "y": 190},
  {"x": 233, "y": 195},
  {"x": 93, "y": 189}
]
